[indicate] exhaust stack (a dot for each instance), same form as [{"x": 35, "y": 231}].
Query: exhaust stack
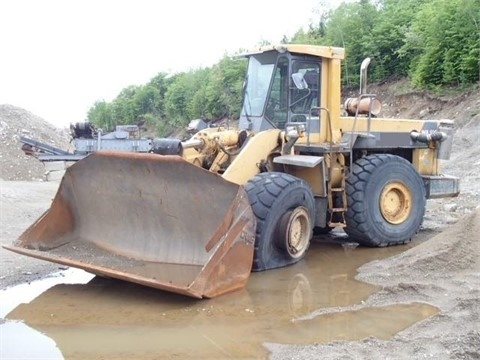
[
  {"x": 363, "y": 76},
  {"x": 365, "y": 104}
]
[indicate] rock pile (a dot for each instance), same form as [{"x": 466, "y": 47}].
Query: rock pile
[{"x": 16, "y": 122}]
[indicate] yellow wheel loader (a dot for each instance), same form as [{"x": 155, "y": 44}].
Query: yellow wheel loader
[{"x": 196, "y": 217}]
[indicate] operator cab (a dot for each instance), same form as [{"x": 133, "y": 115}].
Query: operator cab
[{"x": 281, "y": 87}]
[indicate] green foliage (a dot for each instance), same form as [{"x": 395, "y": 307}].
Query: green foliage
[
  {"x": 224, "y": 90},
  {"x": 167, "y": 103},
  {"x": 450, "y": 37},
  {"x": 100, "y": 114},
  {"x": 389, "y": 35},
  {"x": 351, "y": 26},
  {"x": 211, "y": 93},
  {"x": 132, "y": 105},
  {"x": 435, "y": 42}
]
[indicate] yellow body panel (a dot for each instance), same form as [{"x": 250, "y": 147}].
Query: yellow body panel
[
  {"x": 425, "y": 161},
  {"x": 380, "y": 124},
  {"x": 330, "y": 99},
  {"x": 313, "y": 176},
  {"x": 258, "y": 147}
]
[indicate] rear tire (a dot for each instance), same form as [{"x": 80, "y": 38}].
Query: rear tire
[
  {"x": 284, "y": 208},
  {"x": 386, "y": 201}
]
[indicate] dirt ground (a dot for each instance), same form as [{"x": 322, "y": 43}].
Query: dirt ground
[
  {"x": 21, "y": 203},
  {"x": 443, "y": 271}
]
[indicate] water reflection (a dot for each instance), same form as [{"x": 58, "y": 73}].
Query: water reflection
[{"x": 114, "y": 319}]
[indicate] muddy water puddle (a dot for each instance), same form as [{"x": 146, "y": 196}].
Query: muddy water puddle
[{"x": 106, "y": 318}]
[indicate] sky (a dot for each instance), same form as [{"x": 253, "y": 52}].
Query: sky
[{"x": 57, "y": 57}]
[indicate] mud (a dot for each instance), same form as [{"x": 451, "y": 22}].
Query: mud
[
  {"x": 443, "y": 272},
  {"x": 108, "y": 318}
]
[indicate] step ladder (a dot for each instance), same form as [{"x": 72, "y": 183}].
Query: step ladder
[{"x": 337, "y": 210}]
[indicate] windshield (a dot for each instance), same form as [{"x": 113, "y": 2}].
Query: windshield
[{"x": 257, "y": 83}]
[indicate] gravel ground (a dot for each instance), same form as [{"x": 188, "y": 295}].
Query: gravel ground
[{"x": 21, "y": 203}]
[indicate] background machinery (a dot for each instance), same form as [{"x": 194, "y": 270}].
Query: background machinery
[
  {"x": 86, "y": 138},
  {"x": 196, "y": 217}
]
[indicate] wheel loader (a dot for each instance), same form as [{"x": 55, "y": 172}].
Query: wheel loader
[{"x": 195, "y": 217}]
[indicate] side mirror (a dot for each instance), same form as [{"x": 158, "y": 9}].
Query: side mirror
[{"x": 299, "y": 81}]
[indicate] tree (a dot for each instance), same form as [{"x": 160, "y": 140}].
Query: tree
[
  {"x": 390, "y": 33},
  {"x": 100, "y": 114},
  {"x": 224, "y": 90},
  {"x": 449, "y": 36},
  {"x": 351, "y": 26}
]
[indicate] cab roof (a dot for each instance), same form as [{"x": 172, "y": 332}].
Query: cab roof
[{"x": 315, "y": 50}]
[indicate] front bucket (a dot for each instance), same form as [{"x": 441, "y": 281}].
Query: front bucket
[{"x": 150, "y": 219}]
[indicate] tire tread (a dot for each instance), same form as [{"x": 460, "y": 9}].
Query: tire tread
[{"x": 358, "y": 225}]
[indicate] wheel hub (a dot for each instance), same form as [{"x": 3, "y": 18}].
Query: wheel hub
[
  {"x": 396, "y": 203},
  {"x": 295, "y": 231}
]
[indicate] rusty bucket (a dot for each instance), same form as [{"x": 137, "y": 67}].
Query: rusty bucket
[{"x": 149, "y": 219}]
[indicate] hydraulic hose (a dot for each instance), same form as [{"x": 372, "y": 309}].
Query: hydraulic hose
[{"x": 427, "y": 137}]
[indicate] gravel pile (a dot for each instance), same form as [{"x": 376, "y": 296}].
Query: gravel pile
[{"x": 16, "y": 122}]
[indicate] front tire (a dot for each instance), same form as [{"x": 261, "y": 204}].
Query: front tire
[
  {"x": 284, "y": 207},
  {"x": 386, "y": 201}
]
